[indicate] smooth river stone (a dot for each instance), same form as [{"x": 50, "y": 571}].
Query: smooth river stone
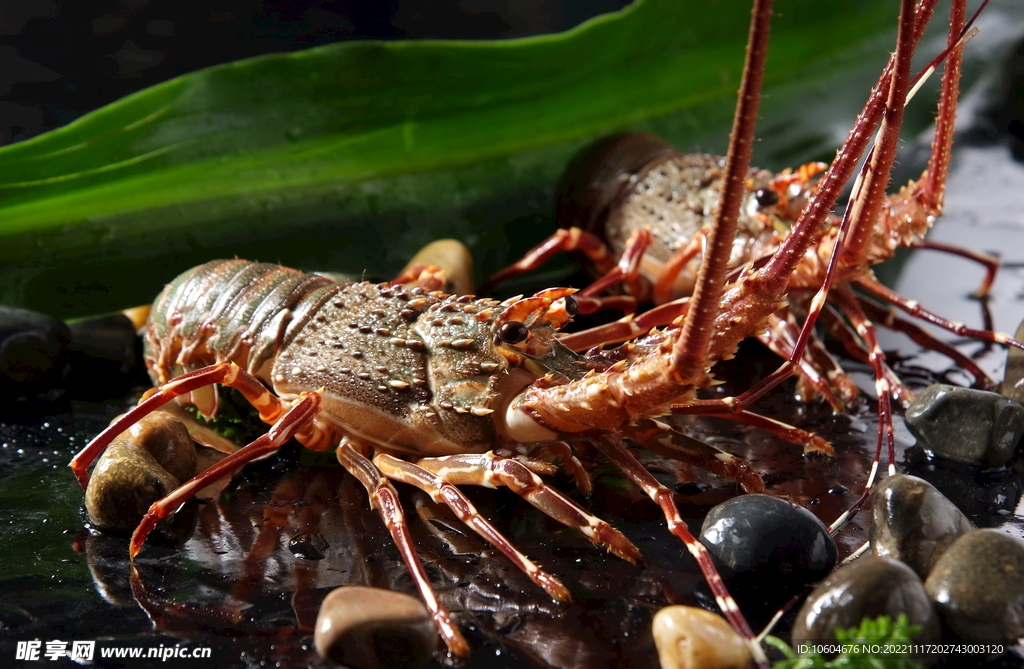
[
  {"x": 913, "y": 522},
  {"x": 967, "y": 425},
  {"x": 978, "y": 586},
  {"x": 868, "y": 587}
]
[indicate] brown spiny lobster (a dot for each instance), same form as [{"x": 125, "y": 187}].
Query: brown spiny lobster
[{"x": 643, "y": 209}]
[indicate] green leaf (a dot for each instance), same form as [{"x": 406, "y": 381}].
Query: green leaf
[{"x": 351, "y": 156}]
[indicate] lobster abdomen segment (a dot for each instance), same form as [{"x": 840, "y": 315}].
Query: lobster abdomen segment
[{"x": 229, "y": 310}]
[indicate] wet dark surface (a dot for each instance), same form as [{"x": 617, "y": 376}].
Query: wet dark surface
[{"x": 238, "y": 586}]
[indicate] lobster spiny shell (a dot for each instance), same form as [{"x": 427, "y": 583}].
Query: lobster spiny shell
[
  {"x": 226, "y": 310},
  {"x": 630, "y": 182},
  {"x": 401, "y": 368}
]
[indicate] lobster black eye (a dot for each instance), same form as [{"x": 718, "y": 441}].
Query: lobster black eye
[
  {"x": 513, "y": 332},
  {"x": 766, "y": 197},
  {"x": 571, "y": 305}
]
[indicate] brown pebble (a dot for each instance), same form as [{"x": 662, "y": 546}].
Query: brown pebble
[
  {"x": 126, "y": 481},
  {"x": 370, "y": 628},
  {"x": 692, "y": 638},
  {"x": 148, "y": 461},
  {"x": 166, "y": 438}
]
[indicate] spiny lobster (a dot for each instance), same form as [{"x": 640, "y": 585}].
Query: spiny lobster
[{"x": 643, "y": 208}]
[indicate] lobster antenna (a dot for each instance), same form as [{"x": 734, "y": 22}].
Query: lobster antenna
[{"x": 691, "y": 349}]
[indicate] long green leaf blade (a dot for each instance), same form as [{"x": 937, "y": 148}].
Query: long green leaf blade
[{"x": 352, "y": 155}]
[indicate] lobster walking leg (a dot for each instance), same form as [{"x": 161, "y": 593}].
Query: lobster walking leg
[
  {"x": 492, "y": 470},
  {"x": 628, "y": 268},
  {"x": 626, "y": 328},
  {"x": 564, "y": 453},
  {"x": 662, "y": 440},
  {"x": 312, "y": 435},
  {"x": 286, "y": 427},
  {"x": 444, "y": 492},
  {"x": 876, "y": 357},
  {"x": 615, "y": 450},
  {"x": 812, "y": 443},
  {"x": 989, "y": 262},
  {"x": 914, "y": 309},
  {"x": 924, "y": 339},
  {"x": 384, "y": 498},
  {"x": 842, "y": 331},
  {"x": 563, "y": 240},
  {"x": 818, "y": 369}
]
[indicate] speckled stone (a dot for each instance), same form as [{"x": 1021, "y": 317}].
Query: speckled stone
[
  {"x": 125, "y": 482},
  {"x": 978, "y": 586},
  {"x": 145, "y": 463},
  {"x": 866, "y": 588},
  {"x": 967, "y": 425},
  {"x": 913, "y": 522}
]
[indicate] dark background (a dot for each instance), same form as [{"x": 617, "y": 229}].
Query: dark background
[{"x": 62, "y": 58}]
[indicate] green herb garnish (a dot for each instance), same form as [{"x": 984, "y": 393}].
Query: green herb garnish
[{"x": 878, "y": 643}]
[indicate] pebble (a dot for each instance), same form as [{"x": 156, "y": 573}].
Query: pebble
[
  {"x": 768, "y": 544},
  {"x": 125, "y": 482},
  {"x": 866, "y": 588},
  {"x": 913, "y": 522},
  {"x": 106, "y": 356},
  {"x": 144, "y": 464},
  {"x": 167, "y": 439},
  {"x": 454, "y": 258},
  {"x": 368, "y": 628},
  {"x": 692, "y": 638},
  {"x": 967, "y": 425},
  {"x": 978, "y": 587},
  {"x": 33, "y": 349}
]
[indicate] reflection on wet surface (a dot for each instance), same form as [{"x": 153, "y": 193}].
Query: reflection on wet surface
[{"x": 250, "y": 578}]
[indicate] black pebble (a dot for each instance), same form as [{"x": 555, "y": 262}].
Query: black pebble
[
  {"x": 106, "y": 357},
  {"x": 966, "y": 425},
  {"x": 765, "y": 544},
  {"x": 913, "y": 522},
  {"x": 978, "y": 587},
  {"x": 869, "y": 587},
  {"x": 33, "y": 352}
]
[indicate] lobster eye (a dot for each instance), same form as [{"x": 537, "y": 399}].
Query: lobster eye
[
  {"x": 513, "y": 332},
  {"x": 766, "y": 197},
  {"x": 571, "y": 305}
]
